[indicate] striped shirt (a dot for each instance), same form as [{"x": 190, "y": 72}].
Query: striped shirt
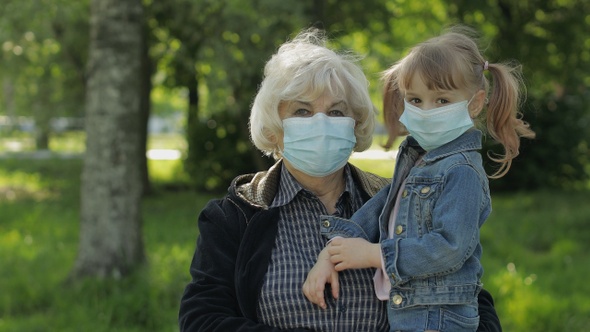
[{"x": 281, "y": 301}]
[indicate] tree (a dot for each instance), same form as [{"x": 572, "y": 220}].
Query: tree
[
  {"x": 218, "y": 135},
  {"x": 43, "y": 60},
  {"x": 551, "y": 41},
  {"x": 234, "y": 60},
  {"x": 110, "y": 236}
]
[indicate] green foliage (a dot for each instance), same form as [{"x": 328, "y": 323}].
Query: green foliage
[
  {"x": 43, "y": 58},
  {"x": 556, "y": 73},
  {"x": 560, "y": 154},
  {"x": 216, "y": 51},
  {"x": 535, "y": 256},
  {"x": 211, "y": 170}
]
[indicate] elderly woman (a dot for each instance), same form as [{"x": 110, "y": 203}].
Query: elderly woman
[{"x": 257, "y": 244}]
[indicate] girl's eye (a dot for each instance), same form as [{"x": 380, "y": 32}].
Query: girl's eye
[
  {"x": 414, "y": 100},
  {"x": 443, "y": 101}
]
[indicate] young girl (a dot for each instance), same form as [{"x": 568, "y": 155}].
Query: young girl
[{"x": 428, "y": 251}]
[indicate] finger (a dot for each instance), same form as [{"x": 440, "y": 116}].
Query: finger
[
  {"x": 336, "y": 259},
  {"x": 335, "y": 284},
  {"x": 307, "y": 291},
  {"x": 336, "y": 241},
  {"x": 310, "y": 290},
  {"x": 319, "y": 295},
  {"x": 339, "y": 266}
]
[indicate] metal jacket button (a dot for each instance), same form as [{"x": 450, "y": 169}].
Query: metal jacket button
[
  {"x": 399, "y": 229},
  {"x": 326, "y": 223},
  {"x": 425, "y": 190},
  {"x": 397, "y": 299},
  {"x": 405, "y": 193}
]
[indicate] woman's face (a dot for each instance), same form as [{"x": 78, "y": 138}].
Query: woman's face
[{"x": 326, "y": 103}]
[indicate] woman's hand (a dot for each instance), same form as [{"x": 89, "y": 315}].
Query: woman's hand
[
  {"x": 354, "y": 253},
  {"x": 321, "y": 274}
]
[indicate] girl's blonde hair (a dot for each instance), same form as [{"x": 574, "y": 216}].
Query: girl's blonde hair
[
  {"x": 303, "y": 69},
  {"x": 453, "y": 61}
]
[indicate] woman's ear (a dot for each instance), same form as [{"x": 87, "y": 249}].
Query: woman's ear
[{"x": 477, "y": 103}]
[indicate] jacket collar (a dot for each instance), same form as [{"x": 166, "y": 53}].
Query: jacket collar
[
  {"x": 469, "y": 141},
  {"x": 259, "y": 189}
]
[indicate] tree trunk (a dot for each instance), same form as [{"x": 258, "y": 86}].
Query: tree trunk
[
  {"x": 42, "y": 120},
  {"x": 145, "y": 110},
  {"x": 192, "y": 120},
  {"x": 110, "y": 233}
]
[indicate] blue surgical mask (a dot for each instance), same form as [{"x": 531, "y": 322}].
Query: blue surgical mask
[
  {"x": 318, "y": 145},
  {"x": 436, "y": 127}
]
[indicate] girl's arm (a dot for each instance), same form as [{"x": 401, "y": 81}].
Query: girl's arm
[{"x": 364, "y": 223}]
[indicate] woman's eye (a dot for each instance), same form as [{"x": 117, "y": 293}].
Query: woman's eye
[
  {"x": 335, "y": 113},
  {"x": 301, "y": 112}
]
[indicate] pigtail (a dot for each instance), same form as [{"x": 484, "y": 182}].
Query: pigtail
[
  {"x": 504, "y": 121},
  {"x": 393, "y": 105}
]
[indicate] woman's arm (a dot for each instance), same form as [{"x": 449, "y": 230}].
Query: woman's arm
[{"x": 209, "y": 302}]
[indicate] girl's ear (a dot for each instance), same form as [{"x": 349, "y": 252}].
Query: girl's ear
[{"x": 477, "y": 103}]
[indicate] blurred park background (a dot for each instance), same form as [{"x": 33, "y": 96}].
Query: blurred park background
[{"x": 120, "y": 119}]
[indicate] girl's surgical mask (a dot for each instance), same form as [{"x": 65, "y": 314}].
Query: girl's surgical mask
[
  {"x": 436, "y": 127},
  {"x": 318, "y": 145}
]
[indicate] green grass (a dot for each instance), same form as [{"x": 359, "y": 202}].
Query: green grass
[
  {"x": 535, "y": 255},
  {"x": 383, "y": 168},
  {"x": 75, "y": 142},
  {"x": 39, "y": 216}
]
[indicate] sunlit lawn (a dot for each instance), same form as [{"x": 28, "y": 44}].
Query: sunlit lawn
[{"x": 535, "y": 254}]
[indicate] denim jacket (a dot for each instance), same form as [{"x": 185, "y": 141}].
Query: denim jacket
[{"x": 434, "y": 255}]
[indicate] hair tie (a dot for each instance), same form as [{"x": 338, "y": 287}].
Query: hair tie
[{"x": 485, "y": 66}]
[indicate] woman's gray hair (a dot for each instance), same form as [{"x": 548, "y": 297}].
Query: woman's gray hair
[{"x": 303, "y": 69}]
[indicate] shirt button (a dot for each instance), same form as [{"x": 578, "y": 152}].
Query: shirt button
[
  {"x": 399, "y": 229},
  {"x": 326, "y": 223},
  {"x": 425, "y": 190},
  {"x": 405, "y": 193},
  {"x": 397, "y": 299}
]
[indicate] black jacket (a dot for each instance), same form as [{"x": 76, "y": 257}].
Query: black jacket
[{"x": 237, "y": 234}]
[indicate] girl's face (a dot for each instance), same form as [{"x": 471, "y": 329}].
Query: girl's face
[{"x": 420, "y": 96}]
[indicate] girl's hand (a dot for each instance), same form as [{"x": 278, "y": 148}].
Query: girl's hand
[
  {"x": 354, "y": 253},
  {"x": 321, "y": 274}
]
